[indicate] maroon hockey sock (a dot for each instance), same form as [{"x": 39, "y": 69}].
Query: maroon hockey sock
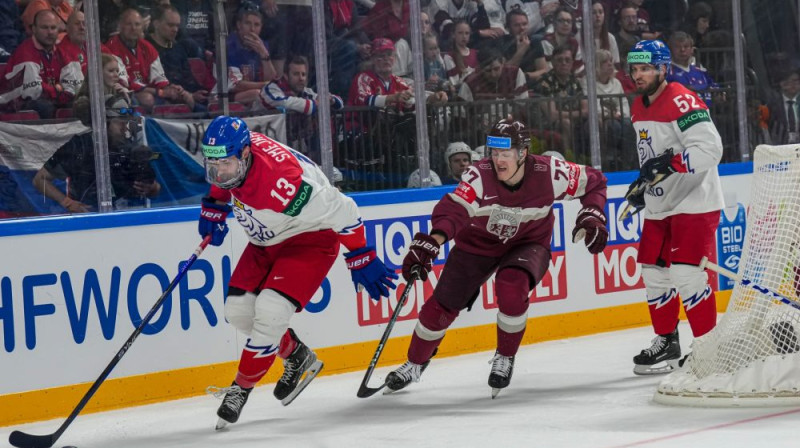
[
  {"x": 420, "y": 350},
  {"x": 508, "y": 343},
  {"x": 433, "y": 318},
  {"x": 253, "y": 365},
  {"x": 701, "y": 311},
  {"x": 288, "y": 344},
  {"x": 665, "y": 312}
]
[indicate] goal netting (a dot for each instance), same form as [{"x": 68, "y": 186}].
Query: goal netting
[{"x": 752, "y": 357}]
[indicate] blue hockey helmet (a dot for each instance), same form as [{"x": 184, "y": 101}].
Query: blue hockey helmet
[
  {"x": 223, "y": 142},
  {"x": 654, "y": 52}
]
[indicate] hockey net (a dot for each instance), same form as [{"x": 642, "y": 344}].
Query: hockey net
[{"x": 752, "y": 357}]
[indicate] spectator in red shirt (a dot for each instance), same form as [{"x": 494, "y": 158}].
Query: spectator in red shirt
[
  {"x": 41, "y": 76},
  {"x": 389, "y": 19},
  {"x": 74, "y": 44},
  {"x": 141, "y": 60}
]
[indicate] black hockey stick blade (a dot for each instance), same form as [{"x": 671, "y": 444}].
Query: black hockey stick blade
[
  {"x": 23, "y": 440},
  {"x": 364, "y": 390},
  {"x": 20, "y": 439}
]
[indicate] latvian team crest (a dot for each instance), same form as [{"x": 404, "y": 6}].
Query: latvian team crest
[{"x": 504, "y": 222}]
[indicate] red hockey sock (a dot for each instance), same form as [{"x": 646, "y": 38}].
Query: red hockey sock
[
  {"x": 701, "y": 310},
  {"x": 288, "y": 344},
  {"x": 664, "y": 312},
  {"x": 254, "y": 364}
]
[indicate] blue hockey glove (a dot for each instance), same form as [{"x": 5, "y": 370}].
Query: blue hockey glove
[
  {"x": 369, "y": 272},
  {"x": 212, "y": 220}
]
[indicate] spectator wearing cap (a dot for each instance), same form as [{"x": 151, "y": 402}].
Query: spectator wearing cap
[
  {"x": 378, "y": 87},
  {"x": 143, "y": 64},
  {"x": 250, "y": 66},
  {"x": 40, "y": 76},
  {"x": 290, "y": 94}
]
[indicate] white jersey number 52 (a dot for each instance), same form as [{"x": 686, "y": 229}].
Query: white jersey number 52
[{"x": 682, "y": 101}]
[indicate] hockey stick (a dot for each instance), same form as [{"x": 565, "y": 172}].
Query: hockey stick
[
  {"x": 24, "y": 440},
  {"x": 365, "y": 391},
  {"x": 705, "y": 263},
  {"x": 635, "y": 189}
]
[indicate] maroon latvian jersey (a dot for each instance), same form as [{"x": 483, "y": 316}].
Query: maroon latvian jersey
[{"x": 487, "y": 217}]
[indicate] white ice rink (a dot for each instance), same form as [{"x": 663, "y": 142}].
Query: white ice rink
[{"x": 564, "y": 394}]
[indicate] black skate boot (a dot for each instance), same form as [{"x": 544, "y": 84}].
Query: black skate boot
[
  {"x": 403, "y": 376},
  {"x": 301, "y": 364},
  {"x": 502, "y": 369},
  {"x": 662, "y": 357},
  {"x": 232, "y": 404},
  {"x": 784, "y": 337}
]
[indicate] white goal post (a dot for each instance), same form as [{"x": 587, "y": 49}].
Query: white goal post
[{"x": 752, "y": 356}]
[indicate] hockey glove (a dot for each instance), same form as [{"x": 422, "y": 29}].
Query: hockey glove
[
  {"x": 420, "y": 256},
  {"x": 592, "y": 221},
  {"x": 635, "y": 198},
  {"x": 369, "y": 272},
  {"x": 212, "y": 220},
  {"x": 658, "y": 168}
]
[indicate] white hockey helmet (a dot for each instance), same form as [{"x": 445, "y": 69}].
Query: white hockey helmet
[{"x": 456, "y": 148}]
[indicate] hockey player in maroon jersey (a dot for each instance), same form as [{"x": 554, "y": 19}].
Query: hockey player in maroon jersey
[
  {"x": 500, "y": 216},
  {"x": 295, "y": 220},
  {"x": 679, "y": 150}
]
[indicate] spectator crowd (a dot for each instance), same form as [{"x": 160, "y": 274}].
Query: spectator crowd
[{"x": 159, "y": 56}]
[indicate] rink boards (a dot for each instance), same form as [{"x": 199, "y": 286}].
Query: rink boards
[{"x": 72, "y": 290}]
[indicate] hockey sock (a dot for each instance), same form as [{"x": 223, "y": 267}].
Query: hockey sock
[
  {"x": 664, "y": 311},
  {"x": 434, "y": 319},
  {"x": 511, "y": 286},
  {"x": 254, "y": 364},
  {"x": 288, "y": 344},
  {"x": 701, "y": 310}
]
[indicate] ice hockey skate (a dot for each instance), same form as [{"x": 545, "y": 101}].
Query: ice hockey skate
[
  {"x": 663, "y": 355},
  {"x": 502, "y": 369},
  {"x": 231, "y": 407},
  {"x": 299, "y": 369},
  {"x": 403, "y": 376}
]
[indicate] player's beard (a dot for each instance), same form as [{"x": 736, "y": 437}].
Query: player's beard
[{"x": 651, "y": 87}]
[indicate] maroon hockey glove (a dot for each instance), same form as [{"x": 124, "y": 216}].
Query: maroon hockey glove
[
  {"x": 420, "y": 256},
  {"x": 592, "y": 221}
]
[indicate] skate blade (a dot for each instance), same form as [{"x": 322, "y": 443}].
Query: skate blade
[
  {"x": 388, "y": 391},
  {"x": 311, "y": 373},
  {"x": 221, "y": 424},
  {"x": 495, "y": 392},
  {"x": 656, "y": 369}
]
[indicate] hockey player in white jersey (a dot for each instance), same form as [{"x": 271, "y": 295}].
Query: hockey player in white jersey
[
  {"x": 679, "y": 150},
  {"x": 295, "y": 221}
]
